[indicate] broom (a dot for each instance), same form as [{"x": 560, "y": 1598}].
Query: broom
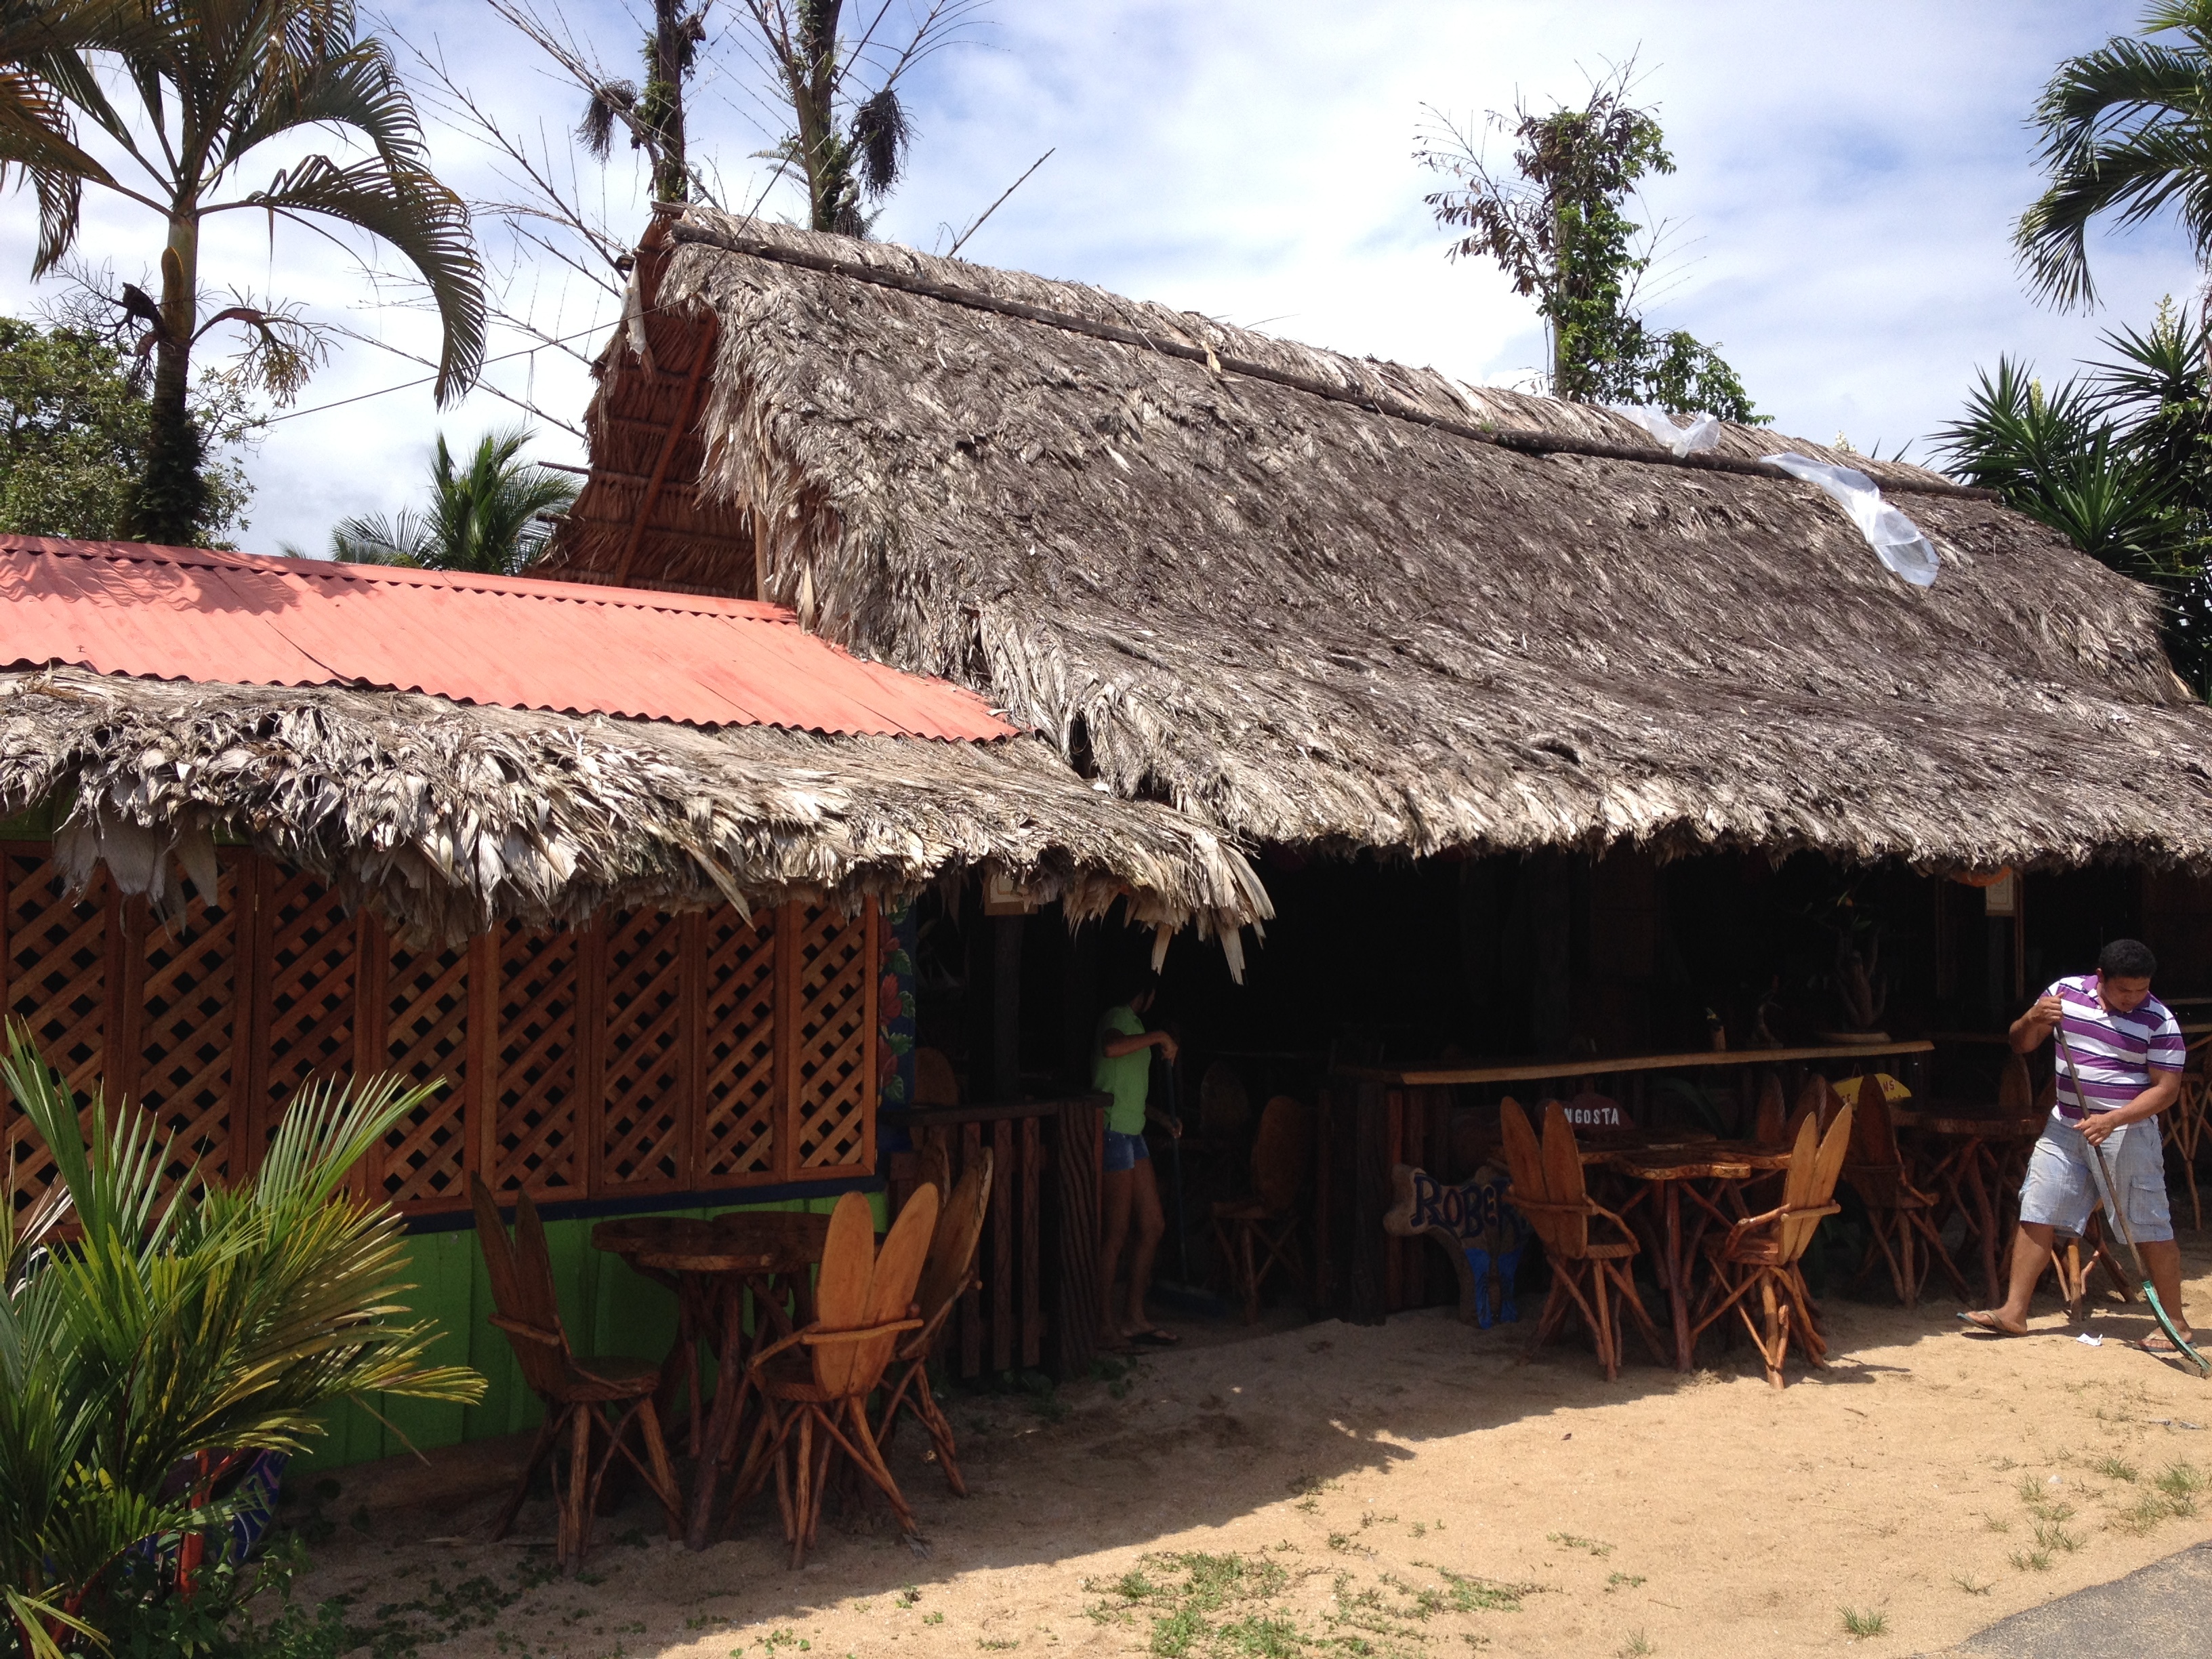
[
  {"x": 1179, "y": 1292},
  {"x": 2103, "y": 1172}
]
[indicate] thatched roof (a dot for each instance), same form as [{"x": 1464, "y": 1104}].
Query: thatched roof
[
  {"x": 1338, "y": 603},
  {"x": 448, "y": 817}
]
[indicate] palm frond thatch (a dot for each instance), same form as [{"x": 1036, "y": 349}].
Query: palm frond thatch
[
  {"x": 448, "y": 817},
  {"x": 1333, "y": 626}
]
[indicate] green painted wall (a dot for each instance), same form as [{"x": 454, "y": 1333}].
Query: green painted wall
[{"x": 606, "y": 1307}]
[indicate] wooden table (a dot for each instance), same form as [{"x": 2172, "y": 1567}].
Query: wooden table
[
  {"x": 1547, "y": 1070},
  {"x": 1670, "y": 1170},
  {"x": 1969, "y": 1159},
  {"x": 711, "y": 1265}
]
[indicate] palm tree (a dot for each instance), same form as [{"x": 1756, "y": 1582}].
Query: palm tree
[
  {"x": 206, "y": 84},
  {"x": 2126, "y": 129},
  {"x": 489, "y": 519},
  {"x": 205, "y": 1324}
]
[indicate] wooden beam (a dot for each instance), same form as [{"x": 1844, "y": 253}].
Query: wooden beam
[{"x": 702, "y": 348}]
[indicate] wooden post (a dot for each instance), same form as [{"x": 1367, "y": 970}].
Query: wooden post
[
  {"x": 1032, "y": 1244},
  {"x": 1006, "y": 1007},
  {"x": 480, "y": 1083},
  {"x": 1371, "y": 1197},
  {"x": 1077, "y": 1134},
  {"x": 590, "y": 1049},
  {"x": 788, "y": 921}
]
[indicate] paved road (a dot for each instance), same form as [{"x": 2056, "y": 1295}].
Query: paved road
[{"x": 2164, "y": 1608}]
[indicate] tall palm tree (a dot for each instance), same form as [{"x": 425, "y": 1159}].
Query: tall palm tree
[
  {"x": 204, "y": 85},
  {"x": 2126, "y": 129},
  {"x": 489, "y": 517}
]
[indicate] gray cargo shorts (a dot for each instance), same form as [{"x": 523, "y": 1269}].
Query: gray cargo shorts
[{"x": 2060, "y": 1191}]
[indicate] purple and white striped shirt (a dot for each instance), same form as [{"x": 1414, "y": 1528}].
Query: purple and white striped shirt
[{"x": 2115, "y": 1053}]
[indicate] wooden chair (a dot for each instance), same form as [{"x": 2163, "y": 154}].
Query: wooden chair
[
  {"x": 935, "y": 1083},
  {"x": 814, "y": 1383},
  {"x": 600, "y": 1396},
  {"x": 1258, "y": 1234},
  {"x": 1590, "y": 1276},
  {"x": 2181, "y": 1126},
  {"x": 948, "y": 1274},
  {"x": 1224, "y": 1107},
  {"x": 1761, "y": 1252},
  {"x": 1769, "y": 1116},
  {"x": 1901, "y": 1221}
]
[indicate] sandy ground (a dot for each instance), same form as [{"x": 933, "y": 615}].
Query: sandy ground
[{"x": 1402, "y": 1490}]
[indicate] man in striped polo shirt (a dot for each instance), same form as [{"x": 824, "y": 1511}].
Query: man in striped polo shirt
[{"x": 2129, "y": 1053}]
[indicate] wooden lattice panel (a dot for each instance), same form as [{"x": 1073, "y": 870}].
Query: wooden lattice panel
[
  {"x": 739, "y": 1085},
  {"x": 642, "y": 1112},
  {"x": 309, "y": 975},
  {"x": 537, "y": 1138},
  {"x": 424, "y": 1162},
  {"x": 58, "y": 957},
  {"x": 188, "y": 1032},
  {"x": 831, "y": 1039}
]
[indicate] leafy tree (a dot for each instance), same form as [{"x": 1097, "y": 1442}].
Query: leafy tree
[
  {"x": 73, "y": 422},
  {"x": 182, "y": 1318},
  {"x": 205, "y": 86},
  {"x": 1557, "y": 228},
  {"x": 487, "y": 518},
  {"x": 2126, "y": 129},
  {"x": 2119, "y": 461}
]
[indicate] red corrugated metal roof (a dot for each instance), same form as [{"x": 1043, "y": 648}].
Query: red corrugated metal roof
[{"x": 186, "y": 613}]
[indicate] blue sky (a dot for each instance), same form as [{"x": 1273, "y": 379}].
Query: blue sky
[{"x": 1848, "y": 175}]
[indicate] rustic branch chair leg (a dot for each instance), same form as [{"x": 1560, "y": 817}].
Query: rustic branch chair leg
[
  {"x": 1775, "y": 1346},
  {"x": 802, "y": 1454},
  {"x": 824, "y": 1446},
  {"x": 1601, "y": 1326},
  {"x": 868, "y": 1458},
  {"x": 924, "y": 1405},
  {"x": 549, "y": 1430},
  {"x": 575, "y": 1508},
  {"x": 1647, "y": 1331}
]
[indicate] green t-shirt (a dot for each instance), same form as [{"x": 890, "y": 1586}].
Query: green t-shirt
[{"x": 1127, "y": 1078}]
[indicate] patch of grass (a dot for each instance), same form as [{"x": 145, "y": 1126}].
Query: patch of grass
[
  {"x": 932, "y": 1618},
  {"x": 2050, "y": 1535},
  {"x": 2181, "y": 1482},
  {"x": 2115, "y": 1468},
  {"x": 1996, "y": 1523},
  {"x": 1472, "y": 1594},
  {"x": 1638, "y": 1646},
  {"x": 782, "y": 1637},
  {"x": 908, "y": 1595},
  {"x": 1864, "y": 1621},
  {"x": 2004, "y": 1466},
  {"x": 1614, "y": 1581},
  {"x": 1339, "y": 1541},
  {"x": 2029, "y": 1488},
  {"x": 1419, "y": 1529},
  {"x": 1964, "y": 1581},
  {"x": 998, "y": 1643},
  {"x": 2032, "y": 1561},
  {"x": 1569, "y": 1540}
]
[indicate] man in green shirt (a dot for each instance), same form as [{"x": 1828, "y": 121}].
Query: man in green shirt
[{"x": 1122, "y": 1065}]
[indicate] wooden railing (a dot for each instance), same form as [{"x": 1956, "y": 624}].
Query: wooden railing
[{"x": 1035, "y": 1306}]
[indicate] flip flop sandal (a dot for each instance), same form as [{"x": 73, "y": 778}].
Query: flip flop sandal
[
  {"x": 1155, "y": 1338},
  {"x": 1980, "y": 1321},
  {"x": 2158, "y": 1343}
]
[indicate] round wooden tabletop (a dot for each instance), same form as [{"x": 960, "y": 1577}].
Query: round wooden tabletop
[
  {"x": 744, "y": 1242},
  {"x": 1966, "y": 1126},
  {"x": 1710, "y": 1160}
]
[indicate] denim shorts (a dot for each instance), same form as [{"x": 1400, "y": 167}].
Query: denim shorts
[
  {"x": 1125, "y": 1152},
  {"x": 2060, "y": 1192}
]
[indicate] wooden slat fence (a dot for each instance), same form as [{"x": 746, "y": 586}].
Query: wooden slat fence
[
  {"x": 644, "y": 1053},
  {"x": 1036, "y": 1305}
]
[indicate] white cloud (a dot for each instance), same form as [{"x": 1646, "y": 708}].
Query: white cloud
[{"x": 1848, "y": 175}]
